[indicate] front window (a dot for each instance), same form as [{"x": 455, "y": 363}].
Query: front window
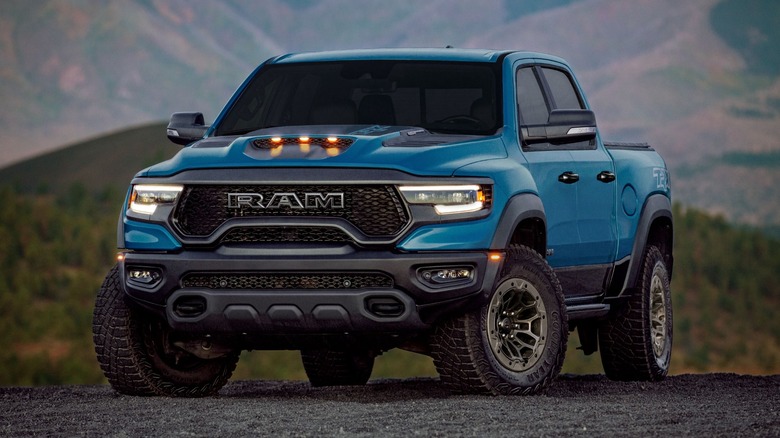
[{"x": 445, "y": 97}]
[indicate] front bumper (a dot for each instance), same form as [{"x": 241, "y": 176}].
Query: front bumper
[{"x": 406, "y": 303}]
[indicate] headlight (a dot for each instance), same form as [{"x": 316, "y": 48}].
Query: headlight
[
  {"x": 446, "y": 199},
  {"x": 146, "y": 197}
]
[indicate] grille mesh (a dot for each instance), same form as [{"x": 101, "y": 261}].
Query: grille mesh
[
  {"x": 376, "y": 210},
  {"x": 285, "y": 235},
  {"x": 288, "y": 281}
]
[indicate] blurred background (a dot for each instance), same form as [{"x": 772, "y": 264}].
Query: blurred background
[{"x": 87, "y": 86}]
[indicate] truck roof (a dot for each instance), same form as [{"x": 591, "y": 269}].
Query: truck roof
[{"x": 419, "y": 54}]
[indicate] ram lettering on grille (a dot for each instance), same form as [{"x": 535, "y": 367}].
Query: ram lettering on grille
[{"x": 289, "y": 200}]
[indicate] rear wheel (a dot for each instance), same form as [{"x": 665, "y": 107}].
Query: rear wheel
[
  {"x": 138, "y": 356},
  {"x": 636, "y": 344},
  {"x": 516, "y": 343},
  {"x": 337, "y": 367}
]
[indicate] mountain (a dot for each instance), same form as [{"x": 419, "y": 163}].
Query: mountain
[{"x": 699, "y": 80}]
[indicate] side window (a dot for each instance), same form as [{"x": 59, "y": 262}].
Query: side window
[
  {"x": 562, "y": 89},
  {"x": 530, "y": 100}
]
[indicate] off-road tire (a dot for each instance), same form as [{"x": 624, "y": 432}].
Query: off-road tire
[
  {"x": 130, "y": 352},
  {"x": 477, "y": 352},
  {"x": 636, "y": 343},
  {"x": 335, "y": 367}
]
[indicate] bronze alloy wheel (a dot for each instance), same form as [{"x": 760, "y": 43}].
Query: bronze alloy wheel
[
  {"x": 658, "y": 329},
  {"x": 517, "y": 324}
]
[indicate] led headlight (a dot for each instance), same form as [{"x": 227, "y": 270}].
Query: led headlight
[
  {"x": 446, "y": 199},
  {"x": 146, "y": 197}
]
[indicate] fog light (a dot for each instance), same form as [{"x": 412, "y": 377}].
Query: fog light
[
  {"x": 144, "y": 276},
  {"x": 447, "y": 275}
]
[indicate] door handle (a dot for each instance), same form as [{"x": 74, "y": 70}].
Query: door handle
[
  {"x": 568, "y": 177},
  {"x": 606, "y": 176}
]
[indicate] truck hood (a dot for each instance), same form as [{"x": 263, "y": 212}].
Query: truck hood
[{"x": 408, "y": 149}]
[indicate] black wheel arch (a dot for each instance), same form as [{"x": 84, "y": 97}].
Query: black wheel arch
[
  {"x": 655, "y": 228},
  {"x": 523, "y": 222}
]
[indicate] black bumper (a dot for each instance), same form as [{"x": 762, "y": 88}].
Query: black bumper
[{"x": 406, "y": 303}]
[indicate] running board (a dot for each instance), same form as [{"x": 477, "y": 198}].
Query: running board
[{"x": 587, "y": 311}]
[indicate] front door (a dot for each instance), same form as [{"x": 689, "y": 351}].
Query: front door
[{"x": 575, "y": 182}]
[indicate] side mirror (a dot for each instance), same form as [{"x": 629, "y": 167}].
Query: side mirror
[
  {"x": 563, "y": 126},
  {"x": 184, "y": 128}
]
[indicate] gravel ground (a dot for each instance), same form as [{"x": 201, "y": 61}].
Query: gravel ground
[{"x": 700, "y": 405}]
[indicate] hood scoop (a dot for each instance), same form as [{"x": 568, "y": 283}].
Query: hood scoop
[
  {"x": 325, "y": 142},
  {"x": 297, "y": 147}
]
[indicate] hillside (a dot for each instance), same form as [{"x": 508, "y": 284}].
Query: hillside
[{"x": 103, "y": 163}]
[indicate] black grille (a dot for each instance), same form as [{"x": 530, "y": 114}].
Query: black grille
[
  {"x": 376, "y": 210},
  {"x": 285, "y": 235},
  {"x": 288, "y": 281}
]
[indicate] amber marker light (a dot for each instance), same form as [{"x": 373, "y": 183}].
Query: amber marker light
[
  {"x": 276, "y": 140},
  {"x": 303, "y": 139},
  {"x": 333, "y": 140},
  {"x": 495, "y": 256},
  {"x": 120, "y": 256}
]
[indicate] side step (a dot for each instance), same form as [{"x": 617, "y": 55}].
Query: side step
[{"x": 586, "y": 311}]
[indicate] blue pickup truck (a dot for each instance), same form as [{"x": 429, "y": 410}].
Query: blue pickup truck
[{"x": 454, "y": 203}]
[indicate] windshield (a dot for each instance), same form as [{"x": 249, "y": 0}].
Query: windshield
[{"x": 447, "y": 97}]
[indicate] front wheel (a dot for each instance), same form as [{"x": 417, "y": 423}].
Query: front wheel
[
  {"x": 636, "y": 344},
  {"x": 138, "y": 356},
  {"x": 516, "y": 343}
]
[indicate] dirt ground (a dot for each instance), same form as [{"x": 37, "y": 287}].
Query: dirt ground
[{"x": 698, "y": 405}]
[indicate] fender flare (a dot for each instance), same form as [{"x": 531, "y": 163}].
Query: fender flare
[
  {"x": 519, "y": 208},
  {"x": 656, "y": 206}
]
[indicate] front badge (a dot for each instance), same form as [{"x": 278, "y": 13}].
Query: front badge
[{"x": 304, "y": 201}]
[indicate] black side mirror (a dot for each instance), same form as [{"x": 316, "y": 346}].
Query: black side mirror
[
  {"x": 184, "y": 128},
  {"x": 563, "y": 126}
]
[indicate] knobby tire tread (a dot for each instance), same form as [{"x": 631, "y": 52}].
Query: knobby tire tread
[
  {"x": 122, "y": 355},
  {"x": 626, "y": 351}
]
